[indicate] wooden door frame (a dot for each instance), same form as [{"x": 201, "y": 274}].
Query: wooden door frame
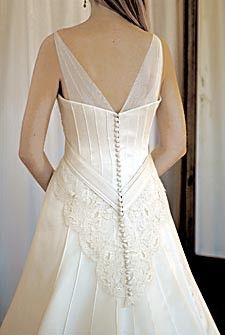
[{"x": 187, "y": 204}]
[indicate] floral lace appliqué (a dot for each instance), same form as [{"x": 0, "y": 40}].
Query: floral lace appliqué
[{"x": 97, "y": 225}]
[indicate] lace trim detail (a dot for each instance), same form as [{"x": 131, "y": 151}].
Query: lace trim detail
[{"x": 97, "y": 224}]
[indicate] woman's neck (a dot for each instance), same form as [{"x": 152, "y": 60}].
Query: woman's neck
[{"x": 103, "y": 13}]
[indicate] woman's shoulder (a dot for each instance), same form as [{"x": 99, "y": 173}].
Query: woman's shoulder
[
  {"x": 47, "y": 54},
  {"x": 71, "y": 31},
  {"x": 164, "y": 43}
]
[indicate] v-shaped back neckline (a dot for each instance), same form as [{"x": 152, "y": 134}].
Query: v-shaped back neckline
[{"x": 74, "y": 58}]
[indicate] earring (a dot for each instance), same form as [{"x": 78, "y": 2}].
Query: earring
[{"x": 85, "y": 3}]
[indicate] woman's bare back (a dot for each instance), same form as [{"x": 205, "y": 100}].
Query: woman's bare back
[{"x": 112, "y": 58}]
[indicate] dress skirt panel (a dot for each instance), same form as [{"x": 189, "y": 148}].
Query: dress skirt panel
[
  {"x": 36, "y": 283},
  {"x": 72, "y": 282}
]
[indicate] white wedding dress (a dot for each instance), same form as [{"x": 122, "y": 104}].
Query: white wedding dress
[{"x": 106, "y": 258}]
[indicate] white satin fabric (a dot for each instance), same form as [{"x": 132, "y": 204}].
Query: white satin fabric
[{"x": 73, "y": 279}]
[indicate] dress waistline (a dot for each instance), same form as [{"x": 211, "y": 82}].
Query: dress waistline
[{"x": 100, "y": 185}]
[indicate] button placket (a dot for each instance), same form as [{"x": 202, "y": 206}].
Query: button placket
[{"x": 121, "y": 224}]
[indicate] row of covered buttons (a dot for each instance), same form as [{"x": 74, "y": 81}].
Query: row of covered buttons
[{"x": 120, "y": 204}]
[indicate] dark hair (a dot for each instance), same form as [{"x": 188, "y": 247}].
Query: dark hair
[{"x": 132, "y": 10}]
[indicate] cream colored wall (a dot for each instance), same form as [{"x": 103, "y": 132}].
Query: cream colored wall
[{"x": 210, "y": 163}]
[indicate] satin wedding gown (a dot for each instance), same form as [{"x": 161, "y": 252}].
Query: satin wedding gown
[{"x": 106, "y": 258}]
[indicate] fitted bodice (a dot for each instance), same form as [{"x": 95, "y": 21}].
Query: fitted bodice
[
  {"x": 90, "y": 133},
  {"x": 89, "y": 120}
]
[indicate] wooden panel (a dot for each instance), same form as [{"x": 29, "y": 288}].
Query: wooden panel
[{"x": 187, "y": 215}]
